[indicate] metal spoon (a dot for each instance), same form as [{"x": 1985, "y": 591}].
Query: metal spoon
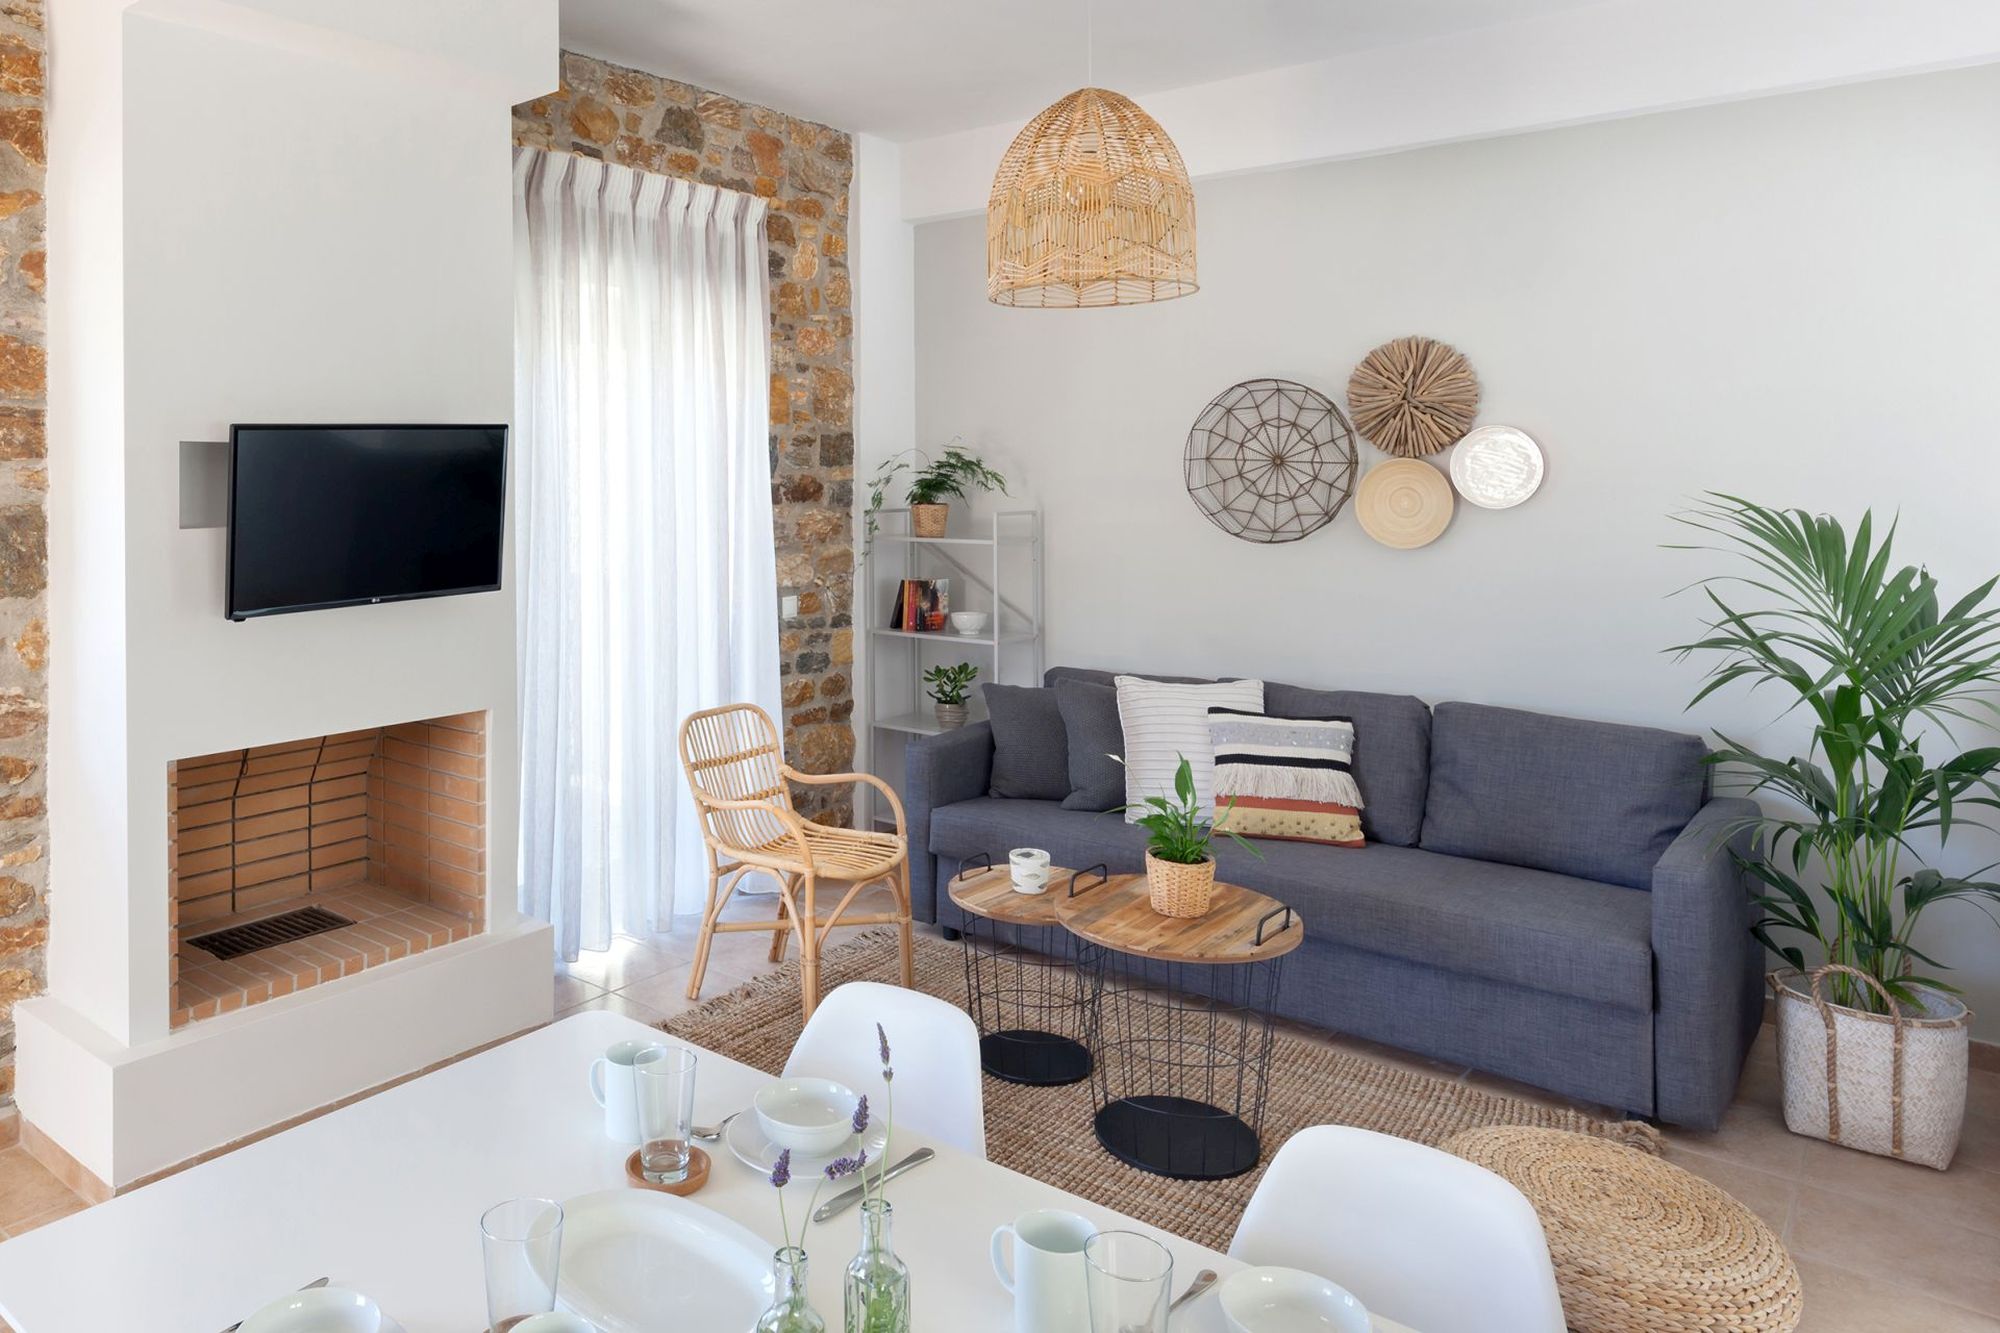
[
  {"x": 710, "y": 1133},
  {"x": 1202, "y": 1282}
]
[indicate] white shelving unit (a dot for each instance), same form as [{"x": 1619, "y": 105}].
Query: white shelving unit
[{"x": 999, "y": 573}]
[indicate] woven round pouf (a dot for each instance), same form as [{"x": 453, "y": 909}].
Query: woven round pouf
[{"x": 1640, "y": 1245}]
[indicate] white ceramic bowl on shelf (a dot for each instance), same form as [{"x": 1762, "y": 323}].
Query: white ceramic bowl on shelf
[
  {"x": 969, "y": 623},
  {"x": 1287, "y": 1300},
  {"x": 811, "y": 1116}
]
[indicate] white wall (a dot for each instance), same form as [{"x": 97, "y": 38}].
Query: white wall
[{"x": 1796, "y": 299}]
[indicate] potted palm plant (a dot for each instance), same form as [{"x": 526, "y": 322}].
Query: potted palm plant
[
  {"x": 1180, "y": 871},
  {"x": 933, "y": 482},
  {"x": 948, "y": 688},
  {"x": 1872, "y": 1043}
]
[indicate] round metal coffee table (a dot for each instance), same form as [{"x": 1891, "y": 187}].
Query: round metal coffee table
[
  {"x": 1183, "y": 1010},
  {"x": 1027, "y": 980}
]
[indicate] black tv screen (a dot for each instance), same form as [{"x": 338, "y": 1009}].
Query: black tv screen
[{"x": 341, "y": 515}]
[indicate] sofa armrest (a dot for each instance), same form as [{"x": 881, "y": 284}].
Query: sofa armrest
[
  {"x": 1708, "y": 967},
  {"x": 941, "y": 770}
]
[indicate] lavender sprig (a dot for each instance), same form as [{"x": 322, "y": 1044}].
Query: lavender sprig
[
  {"x": 781, "y": 1176},
  {"x": 861, "y": 1114}
]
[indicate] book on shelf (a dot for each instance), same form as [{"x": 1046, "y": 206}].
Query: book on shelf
[{"x": 921, "y": 606}]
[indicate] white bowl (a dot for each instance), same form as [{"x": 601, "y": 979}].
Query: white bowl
[
  {"x": 969, "y": 622},
  {"x": 811, "y": 1116},
  {"x": 317, "y": 1310},
  {"x": 1285, "y": 1300}
]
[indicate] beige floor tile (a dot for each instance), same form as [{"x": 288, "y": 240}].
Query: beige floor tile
[
  {"x": 42, "y": 1219},
  {"x": 1752, "y": 1134},
  {"x": 572, "y": 991},
  {"x": 666, "y": 994},
  {"x": 624, "y": 962},
  {"x": 1982, "y": 1092},
  {"x": 1837, "y": 1301},
  {"x": 1963, "y": 1196},
  {"x": 27, "y": 1189},
  {"x": 617, "y": 1004},
  {"x": 1979, "y": 1145},
  {"x": 1872, "y": 1239},
  {"x": 1769, "y": 1196}
]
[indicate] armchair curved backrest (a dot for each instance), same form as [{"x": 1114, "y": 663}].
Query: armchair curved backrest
[{"x": 732, "y": 756}]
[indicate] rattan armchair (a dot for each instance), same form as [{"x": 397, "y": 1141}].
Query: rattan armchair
[{"x": 740, "y": 780}]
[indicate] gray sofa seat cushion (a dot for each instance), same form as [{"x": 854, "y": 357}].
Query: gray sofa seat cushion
[
  {"x": 1030, "y": 755},
  {"x": 1592, "y": 799},
  {"x": 1528, "y": 928},
  {"x": 1392, "y": 740},
  {"x": 1392, "y": 747}
]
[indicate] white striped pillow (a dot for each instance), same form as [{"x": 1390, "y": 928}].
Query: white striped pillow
[{"x": 1162, "y": 722}]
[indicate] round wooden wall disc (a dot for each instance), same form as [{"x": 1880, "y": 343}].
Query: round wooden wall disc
[{"x": 1403, "y": 503}]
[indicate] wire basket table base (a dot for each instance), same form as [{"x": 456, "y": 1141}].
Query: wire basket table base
[{"x": 1027, "y": 980}]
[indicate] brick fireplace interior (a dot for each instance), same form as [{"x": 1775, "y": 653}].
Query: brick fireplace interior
[{"x": 384, "y": 827}]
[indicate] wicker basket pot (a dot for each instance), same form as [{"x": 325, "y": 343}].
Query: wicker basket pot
[
  {"x": 929, "y": 520},
  {"x": 1177, "y": 889},
  {"x": 1892, "y": 1084}
]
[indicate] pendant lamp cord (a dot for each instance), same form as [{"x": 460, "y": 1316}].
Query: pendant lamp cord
[{"x": 1090, "y": 43}]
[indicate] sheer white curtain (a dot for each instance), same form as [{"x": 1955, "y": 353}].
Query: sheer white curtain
[{"x": 648, "y": 580}]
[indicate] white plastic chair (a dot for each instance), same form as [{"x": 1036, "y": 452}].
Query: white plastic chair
[
  {"x": 1419, "y": 1236},
  {"x": 935, "y": 1050}
]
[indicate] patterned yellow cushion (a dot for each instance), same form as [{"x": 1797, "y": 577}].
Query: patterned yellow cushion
[{"x": 1286, "y": 777}]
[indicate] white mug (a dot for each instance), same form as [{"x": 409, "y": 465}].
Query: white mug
[
  {"x": 1046, "y": 1278},
  {"x": 611, "y": 1084}
]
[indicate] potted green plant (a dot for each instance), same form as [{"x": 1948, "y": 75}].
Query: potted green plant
[
  {"x": 1180, "y": 871},
  {"x": 948, "y": 687},
  {"x": 1884, "y": 669},
  {"x": 933, "y": 482}
]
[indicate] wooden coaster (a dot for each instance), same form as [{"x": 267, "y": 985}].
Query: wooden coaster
[{"x": 697, "y": 1175}]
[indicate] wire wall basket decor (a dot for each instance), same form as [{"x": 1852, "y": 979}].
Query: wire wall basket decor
[{"x": 1270, "y": 461}]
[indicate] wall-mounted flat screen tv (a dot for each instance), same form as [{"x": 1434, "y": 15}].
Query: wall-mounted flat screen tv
[{"x": 324, "y": 516}]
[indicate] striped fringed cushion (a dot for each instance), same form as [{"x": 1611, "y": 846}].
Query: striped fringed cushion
[{"x": 1286, "y": 777}]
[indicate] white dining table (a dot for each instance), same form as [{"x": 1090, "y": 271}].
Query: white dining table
[{"x": 385, "y": 1195}]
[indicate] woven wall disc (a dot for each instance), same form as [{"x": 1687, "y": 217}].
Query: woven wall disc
[
  {"x": 1270, "y": 461},
  {"x": 1413, "y": 396},
  {"x": 1404, "y": 503}
]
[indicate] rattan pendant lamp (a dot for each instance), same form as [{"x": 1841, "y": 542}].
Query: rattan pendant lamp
[{"x": 1091, "y": 206}]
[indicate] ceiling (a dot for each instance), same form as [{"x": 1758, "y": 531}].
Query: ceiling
[{"x": 910, "y": 69}]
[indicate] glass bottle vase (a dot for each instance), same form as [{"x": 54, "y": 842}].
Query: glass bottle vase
[
  {"x": 877, "y": 1286},
  {"x": 791, "y": 1309}
]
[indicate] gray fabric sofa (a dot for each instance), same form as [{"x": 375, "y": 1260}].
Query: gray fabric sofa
[{"x": 1543, "y": 898}]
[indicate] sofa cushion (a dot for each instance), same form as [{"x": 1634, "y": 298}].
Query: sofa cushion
[
  {"x": 1392, "y": 746},
  {"x": 1030, "y": 755},
  {"x": 1167, "y": 724},
  {"x": 1091, "y": 735},
  {"x": 1528, "y": 928},
  {"x": 1592, "y": 799}
]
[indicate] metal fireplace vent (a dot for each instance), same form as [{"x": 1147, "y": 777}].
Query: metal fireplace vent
[{"x": 280, "y": 929}]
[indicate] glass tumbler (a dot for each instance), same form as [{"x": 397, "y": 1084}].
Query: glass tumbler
[
  {"x": 1129, "y": 1278},
  {"x": 523, "y": 1243},
  {"x": 663, "y": 1081}
]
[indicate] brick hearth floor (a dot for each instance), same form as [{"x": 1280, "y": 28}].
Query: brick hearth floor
[{"x": 1883, "y": 1247}]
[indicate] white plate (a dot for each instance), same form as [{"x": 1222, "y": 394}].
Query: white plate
[
  {"x": 1496, "y": 467},
  {"x": 747, "y": 1140},
  {"x": 1286, "y": 1300},
  {"x": 638, "y": 1260},
  {"x": 318, "y": 1310}
]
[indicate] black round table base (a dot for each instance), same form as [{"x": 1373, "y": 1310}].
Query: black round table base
[
  {"x": 1041, "y": 1059},
  {"x": 1177, "y": 1137}
]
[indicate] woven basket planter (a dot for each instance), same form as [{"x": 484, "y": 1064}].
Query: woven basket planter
[
  {"x": 929, "y": 520},
  {"x": 1180, "y": 890},
  {"x": 1892, "y": 1084}
]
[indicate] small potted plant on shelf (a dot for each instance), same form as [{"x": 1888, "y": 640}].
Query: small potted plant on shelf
[
  {"x": 1180, "y": 871},
  {"x": 949, "y": 686},
  {"x": 933, "y": 482},
  {"x": 1872, "y": 1046}
]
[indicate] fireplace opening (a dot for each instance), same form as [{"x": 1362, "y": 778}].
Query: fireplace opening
[{"x": 375, "y": 840}]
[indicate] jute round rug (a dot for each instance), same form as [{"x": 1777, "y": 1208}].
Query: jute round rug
[{"x": 1046, "y": 1132}]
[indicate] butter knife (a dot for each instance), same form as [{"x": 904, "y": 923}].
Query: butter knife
[
  {"x": 318, "y": 1282},
  {"x": 847, "y": 1198}
]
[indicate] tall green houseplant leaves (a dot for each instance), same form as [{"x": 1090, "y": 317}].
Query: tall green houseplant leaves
[{"x": 1867, "y": 647}]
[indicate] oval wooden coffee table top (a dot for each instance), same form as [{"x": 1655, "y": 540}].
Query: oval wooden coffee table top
[
  {"x": 1119, "y": 915},
  {"x": 990, "y": 893}
]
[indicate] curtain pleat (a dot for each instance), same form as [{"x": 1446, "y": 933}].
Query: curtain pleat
[{"x": 647, "y": 569}]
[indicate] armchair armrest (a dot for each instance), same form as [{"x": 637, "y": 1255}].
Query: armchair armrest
[
  {"x": 795, "y": 828},
  {"x": 839, "y": 779},
  {"x": 941, "y": 770},
  {"x": 1708, "y": 968}
]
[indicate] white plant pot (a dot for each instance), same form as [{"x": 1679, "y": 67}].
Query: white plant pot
[{"x": 1891, "y": 1085}]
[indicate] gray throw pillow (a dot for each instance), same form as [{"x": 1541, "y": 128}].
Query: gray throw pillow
[
  {"x": 1030, "y": 758},
  {"x": 1094, "y": 734}
]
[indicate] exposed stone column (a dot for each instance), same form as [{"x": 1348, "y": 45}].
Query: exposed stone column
[{"x": 659, "y": 125}]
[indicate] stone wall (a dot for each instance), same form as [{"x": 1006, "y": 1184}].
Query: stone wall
[
  {"x": 24, "y": 912},
  {"x": 655, "y": 124}
]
